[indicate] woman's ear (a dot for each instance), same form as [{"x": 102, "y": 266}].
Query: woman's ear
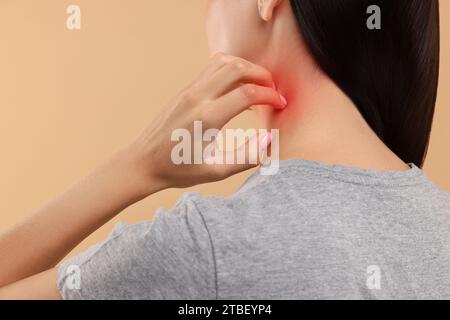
[{"x": 266, "y": 8}]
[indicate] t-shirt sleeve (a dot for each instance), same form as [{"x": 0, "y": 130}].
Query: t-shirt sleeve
[{"x": 170, "y": 257}]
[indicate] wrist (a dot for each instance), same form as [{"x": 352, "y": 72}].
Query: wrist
[{"x": 141, "y": 176}]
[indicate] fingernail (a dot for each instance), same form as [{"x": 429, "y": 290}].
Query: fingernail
[{"x": 283, "y": 100}]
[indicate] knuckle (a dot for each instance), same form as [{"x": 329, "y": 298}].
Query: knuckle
[
  {"x": 220, "y": 57},
  {"x": 188, "y": 97},
  {"x": 239, "y": 66},
  {"x": 249, "y": 92}
]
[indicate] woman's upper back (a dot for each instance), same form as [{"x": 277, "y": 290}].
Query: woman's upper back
[{"x": 312, "y": 231}]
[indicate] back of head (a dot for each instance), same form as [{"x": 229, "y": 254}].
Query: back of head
[{"x": 391, "y": 74}]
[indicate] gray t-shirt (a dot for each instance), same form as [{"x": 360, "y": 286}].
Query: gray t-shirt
[{"x": 312, "y": 231}]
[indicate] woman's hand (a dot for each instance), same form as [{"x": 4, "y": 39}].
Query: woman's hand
[{"x": 227, "y": 87}]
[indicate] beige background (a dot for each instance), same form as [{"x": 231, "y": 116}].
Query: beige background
[{"x": 68, "y": 99}]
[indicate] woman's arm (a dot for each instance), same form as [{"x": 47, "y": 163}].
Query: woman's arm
[
  {"x": 41, "y": 286},
  {"x": 42, "y": 240},
  {"x": 227, "y": 87}
]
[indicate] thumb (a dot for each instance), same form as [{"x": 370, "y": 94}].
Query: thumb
[{"x": 250, "y": 155}]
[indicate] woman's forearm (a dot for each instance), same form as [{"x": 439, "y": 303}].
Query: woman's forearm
[{"x": 42, "y": 240}]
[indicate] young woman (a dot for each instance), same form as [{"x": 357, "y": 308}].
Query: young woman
[{"x": 350, "y": 214}]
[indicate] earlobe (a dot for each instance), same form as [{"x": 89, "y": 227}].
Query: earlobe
[
  {"x": 261, "y": 8},
  {"x": 266, "y": 8}
]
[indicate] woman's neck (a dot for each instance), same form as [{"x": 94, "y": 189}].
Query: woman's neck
[{"x": 321, "y": 123}]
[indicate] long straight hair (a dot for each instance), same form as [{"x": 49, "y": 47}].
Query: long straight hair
[{"x": 390, "y": 74}]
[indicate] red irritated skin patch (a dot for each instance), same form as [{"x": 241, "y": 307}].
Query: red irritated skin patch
[{"x": 290, "y": 90}]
